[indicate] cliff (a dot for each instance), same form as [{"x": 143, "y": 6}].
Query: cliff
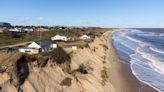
[{"x": 87, "y": 70}]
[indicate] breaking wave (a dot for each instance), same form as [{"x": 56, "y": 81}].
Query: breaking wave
[{"x": 146, "y": 55}]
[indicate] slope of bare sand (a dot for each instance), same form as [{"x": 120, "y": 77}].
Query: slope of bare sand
[
  {"x": 49, "y": 78},
  {"x": 103, "y": 74}
]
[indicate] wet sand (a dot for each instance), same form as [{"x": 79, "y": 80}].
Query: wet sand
[
  {"x": 134, "y": 81},
  {"x": 120, "y": 74}
]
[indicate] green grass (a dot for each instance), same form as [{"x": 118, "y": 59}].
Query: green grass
[
  {"x": 7, "y": 38},
  {"x": 20, "y": 40}
]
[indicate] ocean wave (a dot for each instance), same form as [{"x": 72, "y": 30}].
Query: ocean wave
[
  {"x": 143, "y": 69},
  {"x": 147, "y": 61},
  {"x": 156, "y": 62},
  {"x": 157, "y": 50},
  {"x": 135, "y": 31},
  {"x": 148, "y": 34},
  {"x": 133, "y": 39},
  {"x": 161, "y": 34},
  {"x": 147, "y": 76}
]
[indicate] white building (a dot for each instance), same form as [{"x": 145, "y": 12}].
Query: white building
[
  {"x": 35, "y": 45},
  {"x": 38, "y": 46},
  {"x": 28, "y": 29},
  {"x": 29, "y": 50},
  {"x": 2, "y": 29},
  {"x": 54, "y": 46},
  {"x": 83, "y": 37},
  {"x": 74, "y": 48},
  {"x": 58, "y": 37},
  {"x": 15, "y": 29}
]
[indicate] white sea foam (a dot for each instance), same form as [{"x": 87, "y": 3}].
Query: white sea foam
[
  {"x": 157, "y": 63},
  {"x": 147, "y": 76},
  {"x": 143, "y": 71},
  {"x": 146, "y": 61},
  {"x": 148, "y": 34},
  {"x": 157, "y": 50},
  {"x": 161, "y": 34},
  {"x": 135, "y": 31},
  {"x": 133, "y": 39}
]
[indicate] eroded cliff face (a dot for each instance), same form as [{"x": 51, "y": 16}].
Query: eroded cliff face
[
  {"x": 94, "y": 59},
  {"x": 84, "y": 71},
  {"x": 14, "y": 70}
]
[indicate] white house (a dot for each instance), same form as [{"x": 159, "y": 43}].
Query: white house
[
  {"x": 29, "y": 50},
  {"x": 28, "y": 29},
  {"x": 58, "y": 37},
  {"x": 35, "y": 45},
  {"x": 15, "y": 29},
  {"x": 83, "y": 37},
  {"x": 38, "y": 46}
]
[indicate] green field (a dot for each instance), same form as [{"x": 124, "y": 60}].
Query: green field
[
  {"x": 7, "y": 39},
  {"x": 18, "y": 40}
]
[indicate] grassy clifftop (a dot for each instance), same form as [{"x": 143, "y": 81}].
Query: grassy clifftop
[{"x": 11, "y": 38}]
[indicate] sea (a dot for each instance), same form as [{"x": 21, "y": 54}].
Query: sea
[{"x": 143, "y": 49}]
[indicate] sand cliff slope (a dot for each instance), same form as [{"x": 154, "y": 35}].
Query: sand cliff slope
[{"x": 89, "y": 71}]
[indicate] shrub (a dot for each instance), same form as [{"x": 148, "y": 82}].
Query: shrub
[
  {"x": 66, "y": 82},
  {"x": 59, "y": 55},
  {"x": 104, "y": 76},
  {"x": 84, "y": 68}
]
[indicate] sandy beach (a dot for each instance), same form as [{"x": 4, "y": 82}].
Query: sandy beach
[
  {"x": 121, "y": 75},
  {"x": 105, "y": 72}
]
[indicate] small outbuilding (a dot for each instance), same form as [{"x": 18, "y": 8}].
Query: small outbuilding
[
  {"x": 59, "y": 38},
  {"x": 83, "y": 37},
  {"x": 74, "y": 48}
]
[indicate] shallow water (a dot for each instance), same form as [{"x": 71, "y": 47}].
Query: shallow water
[{"x": 144, "y": 50}]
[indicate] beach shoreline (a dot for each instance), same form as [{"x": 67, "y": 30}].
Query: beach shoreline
[{"x": 121, "y": 75}]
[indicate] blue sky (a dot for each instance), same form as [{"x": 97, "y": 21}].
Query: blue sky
[{"x": 103, "y": 13}]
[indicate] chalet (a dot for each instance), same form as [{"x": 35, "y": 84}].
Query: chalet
[
  {"x": 83, "y": 37},
  {"x": 59, "y": 38},
  {"x": 38, "y": 46}
]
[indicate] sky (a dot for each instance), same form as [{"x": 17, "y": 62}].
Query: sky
[{"x": 100, "y": 13}]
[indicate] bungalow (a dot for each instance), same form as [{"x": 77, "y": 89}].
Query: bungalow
[
  {"x": 28, "y": 29},
  {"x": 15, "y": 30},
  {"x": 83, "y": 37},
  {"x": 38, "y": 46},
  {"x": 59, "y": 38}
]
